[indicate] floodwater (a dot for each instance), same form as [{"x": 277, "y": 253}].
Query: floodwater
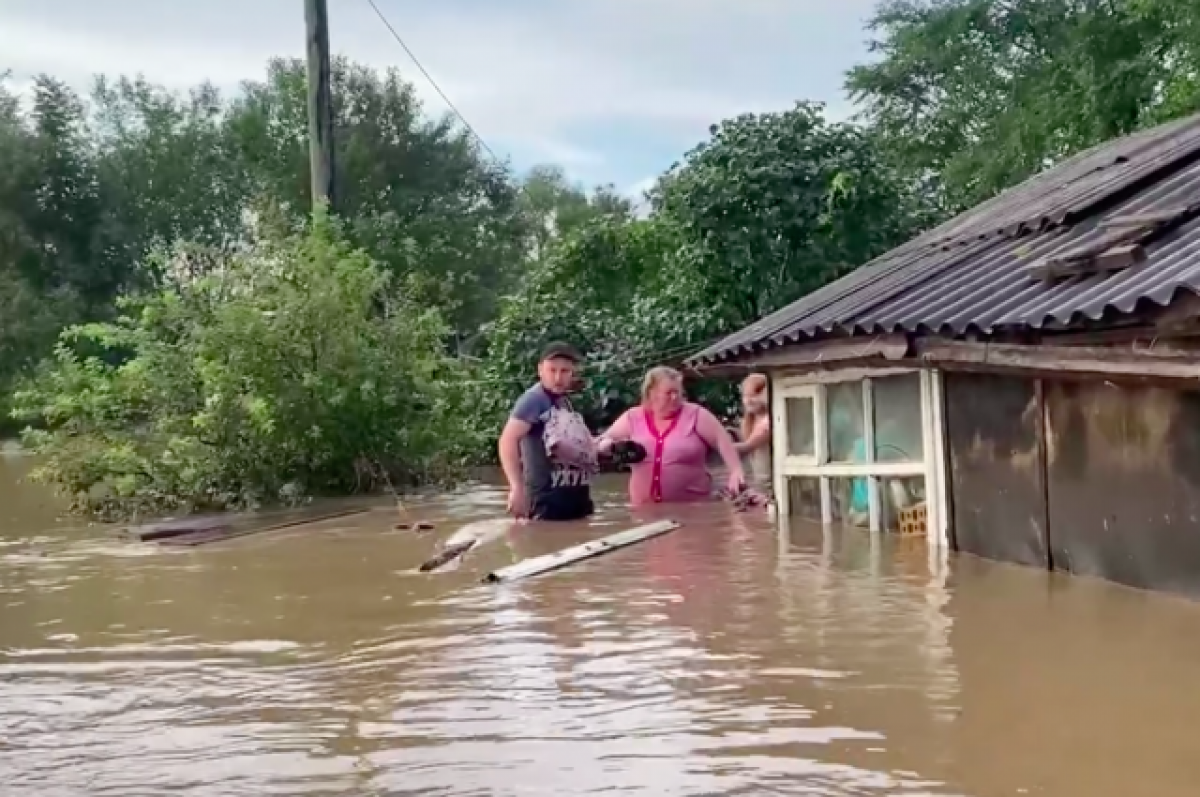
[{"x": 726, "y": 658}]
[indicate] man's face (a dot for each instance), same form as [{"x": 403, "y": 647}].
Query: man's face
[{"x": 556, "y": 374}]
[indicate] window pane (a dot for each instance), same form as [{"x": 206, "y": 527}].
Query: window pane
[
  {"x": 844, "y": 417},
  {"x": 903, "y": 504},
  {"x": 851, "y": 504},
  {"x": 800, "y": 439},
  {"x": 804, "y": 498},
  {"x": 898, "y": 436}
]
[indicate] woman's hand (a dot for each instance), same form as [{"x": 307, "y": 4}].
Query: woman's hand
[
  {"x": 737, "y": 482},
  {"x": 618, "y": 432}
]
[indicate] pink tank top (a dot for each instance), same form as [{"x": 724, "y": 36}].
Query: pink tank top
[{"x": 674, "y": 468}]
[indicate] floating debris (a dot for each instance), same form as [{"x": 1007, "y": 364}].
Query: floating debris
[
  {"x": 470, "y": 536},
  {"x": 229, "y": 533},
  {"x": 553, "y": 561},
  {"x": 419, "y": 526},
  {"x": 207, "y": 524},
  {"x": 446, "y": 555}
]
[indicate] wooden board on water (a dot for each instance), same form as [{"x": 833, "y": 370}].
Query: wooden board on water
[
  {"x": 552, "y": 561},
  {"x": 166, "y": 529},
  {"x": 447, "y": 555},
  {"x": 229, "y": 533}
]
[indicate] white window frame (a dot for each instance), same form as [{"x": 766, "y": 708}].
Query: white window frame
[{"x": 813, "y": 387}]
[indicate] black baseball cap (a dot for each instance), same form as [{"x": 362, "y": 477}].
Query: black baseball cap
[{"x": 563, "y": 350}]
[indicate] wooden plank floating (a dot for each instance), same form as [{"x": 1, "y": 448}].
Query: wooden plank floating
[
  {"x": 177, "y": 528},
  {"x": 205, "y": 537},
  {"x": 553, "y": 561},
  {"x": 446, "y": 555},
  {"x": 466, "y": 539}
]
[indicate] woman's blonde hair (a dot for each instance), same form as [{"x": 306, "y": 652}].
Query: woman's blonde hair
[
  {"x": 661, "y": 373},
  {"x": 757, "y": 383}
]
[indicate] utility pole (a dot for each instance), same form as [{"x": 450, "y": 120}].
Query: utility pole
[{"x": 320, "y": 102}]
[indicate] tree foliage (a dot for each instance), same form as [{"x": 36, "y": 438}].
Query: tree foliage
[
  {"x": 782, "y": 203},
  {"x": 296, "y": 367},
  {"x": 418, "y": 193},
  {"x": 91, "y": 187},
  {"x": 976, "y": 95}
]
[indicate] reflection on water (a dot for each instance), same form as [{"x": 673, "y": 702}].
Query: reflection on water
[{"x": 725, "y": 658}]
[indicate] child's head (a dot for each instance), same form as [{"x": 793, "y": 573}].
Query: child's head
[{"x": 754, "y": 394}]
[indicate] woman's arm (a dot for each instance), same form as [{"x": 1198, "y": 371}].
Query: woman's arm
[
  {"x": 617, "y": 433},
  {"x": 718, "y": 437},
  {"x": 757, "y": 439}
]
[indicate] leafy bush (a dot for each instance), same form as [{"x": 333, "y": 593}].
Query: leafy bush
[{"x": 296, "y": 367}]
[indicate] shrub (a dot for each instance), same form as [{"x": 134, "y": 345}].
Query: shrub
[{"x": 292, "y": 368}]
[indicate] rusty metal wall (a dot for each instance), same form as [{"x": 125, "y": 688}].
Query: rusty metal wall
[
  {"x": 993, "y": 428},
  {"x": 1123, "y": 465}
]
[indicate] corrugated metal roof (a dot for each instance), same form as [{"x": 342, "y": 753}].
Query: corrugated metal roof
[{"x": 969, "y": 273}]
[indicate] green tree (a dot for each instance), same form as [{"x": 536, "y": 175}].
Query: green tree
[
  {"x": 49, "y": 207},
  {"x": 18, "y": 303},
  {"x": 776, "y": 205},
  {"x": 168, "y": 172},
  {"x": 299, "y": 367},
  {"x": 63, "y": 207},
  {"x": 419, "y": 194},
  {"x": 973, "y": 96},
  {"x": 1179, "y": 94},
  {"x": 87, "y": 188},
  {"x": 90, "y": 187},
  {"x": 554, "y": 208}
]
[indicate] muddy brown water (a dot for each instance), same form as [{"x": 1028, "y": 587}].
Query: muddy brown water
[{"x": 727, "y": 658}]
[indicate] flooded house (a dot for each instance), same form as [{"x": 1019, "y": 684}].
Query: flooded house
[{"x": 1020, "y": 383}]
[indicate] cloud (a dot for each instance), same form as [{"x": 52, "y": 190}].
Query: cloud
[
  {"x": 610, "y": 89},
  {"x": 33, "y": 46}
]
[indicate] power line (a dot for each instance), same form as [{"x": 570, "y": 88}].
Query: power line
[
  {"x": 679, "y": 350},
  {"x": 432, "y": 82}
]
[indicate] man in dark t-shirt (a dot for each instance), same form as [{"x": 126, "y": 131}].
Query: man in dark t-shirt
[{"x": 538, "y": 486}]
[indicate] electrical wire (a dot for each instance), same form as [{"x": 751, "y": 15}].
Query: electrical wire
[
  {"x": 432, "y": 82},
  {"x": 663, "y": 354}
]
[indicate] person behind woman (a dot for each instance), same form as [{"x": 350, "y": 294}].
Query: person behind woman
[
  {"x": 677, "y": 436},
  {"x": 755, "y": 443}
]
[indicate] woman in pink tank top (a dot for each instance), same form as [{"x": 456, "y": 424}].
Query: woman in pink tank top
[{"x": 677, "y": 436}]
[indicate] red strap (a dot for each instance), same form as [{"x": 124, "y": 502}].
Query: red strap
[{"x": 659, "y": 440}]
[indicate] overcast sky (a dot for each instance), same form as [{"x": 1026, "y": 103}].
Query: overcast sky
[{"x": 613, "y": 90}]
